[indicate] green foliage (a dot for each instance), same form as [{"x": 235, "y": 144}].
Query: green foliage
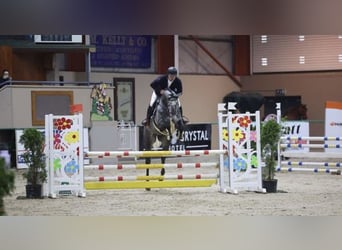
[
  {"x": 34, "y": 157},
  {"x": 270, "y": 136},
  {"x": 7, "y": 178}
]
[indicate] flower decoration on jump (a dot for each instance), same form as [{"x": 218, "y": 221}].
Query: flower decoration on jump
[
  {"x": 225, "y": 134},
  {"x": 254, "y": 161},
  {"x": 57, "y": 140},
  {"x": 57, "y": 164},
  {"x": 239, "y": 164},
  {"x": 71, "y": 167},
  {"x": 253, "y": 135},
  {"x": 238, "y": 135},
  {"x": 63, "y": 123},
  {"x": 72, "y": 137},
  {"x": 244, "y": 121}
]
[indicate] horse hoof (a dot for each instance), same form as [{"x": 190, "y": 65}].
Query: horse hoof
[{"x": 162, "y": 171}]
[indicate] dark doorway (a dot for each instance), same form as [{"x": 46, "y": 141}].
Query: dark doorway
[
  {"x": 7, "y": 143},
  {"x": 286, "y": 103}
]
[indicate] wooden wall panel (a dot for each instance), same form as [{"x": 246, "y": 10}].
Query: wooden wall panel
[
  {"x": 241, "y": 51},
  {"x": 6, "y": 58},
  {"x": 75, "y": 61},
  {"x": 30, "y": 66}
]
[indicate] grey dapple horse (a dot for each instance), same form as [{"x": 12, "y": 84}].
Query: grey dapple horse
[{"x": 166, "y": 125}]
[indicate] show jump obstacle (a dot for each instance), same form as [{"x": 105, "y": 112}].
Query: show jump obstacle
[
  {"x": 239, "y": 133},
  {"x": 152, "y": 181},
  {"x": 316, "y": 154},
  {"x": 64, "y": 155},
  {"x": 238, "y": 168},
  {"x": 316, "y": 162}
]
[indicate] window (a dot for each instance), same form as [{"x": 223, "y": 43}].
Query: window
[{"x": 49, "y": 102}]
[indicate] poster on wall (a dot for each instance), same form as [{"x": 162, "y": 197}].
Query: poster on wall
[
  {"x": 333, "y": 124},
  {"x": 124, "y": 96},
  {"x": 120, "y": 51},
  {"x": 101, "y": 103}
]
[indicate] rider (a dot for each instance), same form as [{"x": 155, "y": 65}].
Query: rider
[{"x": 171, "y": 81}]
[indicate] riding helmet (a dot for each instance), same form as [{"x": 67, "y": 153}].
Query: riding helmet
[{"x": 172, "y": 71}]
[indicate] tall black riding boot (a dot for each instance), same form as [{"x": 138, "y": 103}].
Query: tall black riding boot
[
  {"x": 181, "y": 111},
  {"x": 148, "y": 115}
]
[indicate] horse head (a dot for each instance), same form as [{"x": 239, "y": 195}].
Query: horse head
[{"x": 174, "y": 109}]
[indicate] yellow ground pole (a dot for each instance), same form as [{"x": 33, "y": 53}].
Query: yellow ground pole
[{"x": 149, "y": 184}]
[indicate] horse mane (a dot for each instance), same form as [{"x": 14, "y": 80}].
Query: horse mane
[{"x": 160, "y": 112}]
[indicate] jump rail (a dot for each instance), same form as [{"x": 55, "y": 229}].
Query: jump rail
[
  {"x": 152, "y": 166},
  {"x": 146, "y": 154},
  {"x": 315, "y": 170},
  {"x": 152, "y": 177},
  {"x": 300, "y": 145},
  {"x": 311, "y": 166},
  {"x": 151, "y": 181},
  {"x": 308, "y": 163},
  {"x": 312, "y": 138}
]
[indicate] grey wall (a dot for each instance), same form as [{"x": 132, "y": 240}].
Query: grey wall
[
  {"x": 201, "y": 95},
  {"x": 16, "y": 108}
]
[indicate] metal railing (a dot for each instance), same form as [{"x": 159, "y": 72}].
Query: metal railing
[{"x": 51, "y": 83}]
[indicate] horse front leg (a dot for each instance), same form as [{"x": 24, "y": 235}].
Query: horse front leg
[
  {"x": 165, "y": 146},
  {"x": 148, "y": 161},
  {"x": 162, "y": 171}
]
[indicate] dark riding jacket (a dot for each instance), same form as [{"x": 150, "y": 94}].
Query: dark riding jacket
[{"x": 162, "y": 83}]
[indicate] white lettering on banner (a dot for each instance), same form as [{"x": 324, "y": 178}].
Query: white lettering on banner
[
  {"x": 113, "y": 40},
  {"x": 296, "y": 129},
  {"x": 141, "y": 42},
  {"x": 195, "y": 135},
  {"x": 177, "y": 147}
]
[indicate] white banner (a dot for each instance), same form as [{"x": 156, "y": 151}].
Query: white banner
[
  {"x": 296, "y": 129},
  {"x": 333, "y": 124}
]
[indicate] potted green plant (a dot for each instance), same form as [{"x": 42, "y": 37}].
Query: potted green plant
[
  {"x": 270, "y": 136},
  {"x": 34, "y": 157},
  {"x": 7, "y": 179}
]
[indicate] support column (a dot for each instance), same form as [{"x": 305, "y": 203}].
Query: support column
[{"x": 165, "y": 53}]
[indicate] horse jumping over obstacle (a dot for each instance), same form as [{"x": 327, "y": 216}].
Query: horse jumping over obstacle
[{"x": 166, "y": 125}]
